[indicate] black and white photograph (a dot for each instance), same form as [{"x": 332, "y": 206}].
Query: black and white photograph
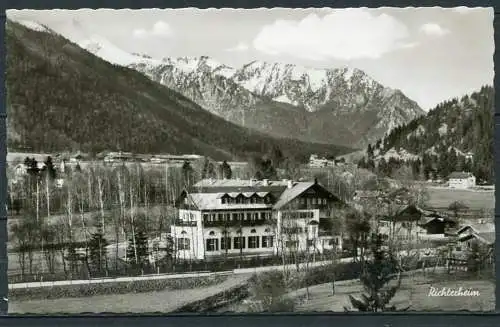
[{"x": 250, "y": 160}]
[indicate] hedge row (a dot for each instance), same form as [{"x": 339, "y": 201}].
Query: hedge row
[{"x": 85, "y": 290}]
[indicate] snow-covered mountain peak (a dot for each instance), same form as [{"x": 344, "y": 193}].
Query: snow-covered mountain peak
[
  {"x": 202, "y": 64},
  {"x": 106, "y": 50},
  {"x": 33, "y": 25}
]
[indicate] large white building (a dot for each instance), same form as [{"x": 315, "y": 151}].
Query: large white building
[
  {"x": 461, "y": 180},
  {"x": 249, "y": 217},
  {"x": 316, "y": 162}
]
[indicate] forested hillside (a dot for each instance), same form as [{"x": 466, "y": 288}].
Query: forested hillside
[
  {"x": 61, "y": 97},
  {"x": 457, "y": 135}
]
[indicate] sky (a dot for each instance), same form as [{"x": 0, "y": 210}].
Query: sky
[{"x": 431, "y": 54}]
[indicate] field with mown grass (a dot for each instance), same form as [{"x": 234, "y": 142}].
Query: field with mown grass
[{"x": 440, "y": 198}]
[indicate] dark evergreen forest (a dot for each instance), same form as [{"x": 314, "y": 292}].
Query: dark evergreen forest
[{"x": 457, "y": 135}]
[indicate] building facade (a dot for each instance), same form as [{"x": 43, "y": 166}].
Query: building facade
[
  {"x": 316, "y": 162},
  {"x": 461, "y": 180},
  {"x": 254, "y": 218}
]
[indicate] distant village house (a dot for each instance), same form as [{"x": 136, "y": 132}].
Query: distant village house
[
  {"x": 318, "y": 162},
  {"x": 461, "y": 180}
]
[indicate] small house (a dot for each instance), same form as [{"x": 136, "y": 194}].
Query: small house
[{"x": 461, "y": 180}]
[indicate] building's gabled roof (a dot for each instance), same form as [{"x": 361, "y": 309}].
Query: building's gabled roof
[
  {"x": 414, "y": 213},
  {"x": 429, "y": 219},
  {"x": 484, "y": 237},
  {"x": 206, "y": 194},
  {"x": 478, "y": 228},
  {"x": 460, "y": 175},
  {"x": 211, "y": 201},
  {"x": 291, "y": 193},
  {"x": 298, "y": 188}
]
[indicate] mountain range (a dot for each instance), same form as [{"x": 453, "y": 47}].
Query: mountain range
[
  {"x": 62, "y": 97},
  {"x": 335, "y": 106}
]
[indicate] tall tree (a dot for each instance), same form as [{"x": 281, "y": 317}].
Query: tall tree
[
  {"x": 187, "y": 174},
  {"x": 137, "y": 250},
  {"x": 226, "y": 170},
  {"x": 49, "y": 168},
  {"x": 377, "y": 274},
  {"x": 98, "y": 252}
]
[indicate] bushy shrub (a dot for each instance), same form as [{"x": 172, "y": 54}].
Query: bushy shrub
[{"x": 268, "y": 293}]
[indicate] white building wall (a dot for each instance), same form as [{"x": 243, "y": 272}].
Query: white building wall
[
  {"x": 462, "y": 183},
  {"x": 198, "y": 235},
  {"x": 194, "y": 234},
  {"x": 302, "y": 236},
  {"x": 246, "y": 231}
]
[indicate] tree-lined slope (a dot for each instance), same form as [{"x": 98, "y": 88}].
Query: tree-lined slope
[{"x": 457, "y": 135}]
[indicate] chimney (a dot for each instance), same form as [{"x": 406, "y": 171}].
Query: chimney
[
  {"x": 265, "y": 182},
  {"x": 289, "y": 183},
  {"x": 315, "y": 181}
]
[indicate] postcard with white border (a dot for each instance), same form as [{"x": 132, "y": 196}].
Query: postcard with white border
[{"x": 250, "y": 160}]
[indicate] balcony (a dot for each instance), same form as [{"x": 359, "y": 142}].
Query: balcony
[
  {"x": 183, "y": 223},
  {"x": 237, "y": 223}
]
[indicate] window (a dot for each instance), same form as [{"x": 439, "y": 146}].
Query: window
[
  {"x": 310, "y": 243},
  {"x": 253, "y": 242},
  {"x": 267, "y": 241},
  {"x": 205, "y": 216},
  {"x": 239, "y": 242},
  {"x": 219, "y": 217},
  {"x": 267, "y": 230},
  {"x": 291, "y": 244},
  {"x": 458, "y": 248},
  {"x": 249, "y": 216},
  {"x": 223, "y": 200},
  {"x": 212, "y": 233},
  {"x": 235, "y": 216},
  {"x": 255, "y": 216},
  {"x": 223, "y": 242},
  {"x": 262, "y": 215},
  {"x": 241, "y": 215},
  {"x": 253, "y": 231},
  {"x": 183, "y": 244},
  {"x": 227, "y": 216},
  {"x": 212, "y": 244},
  {"x": 306, "y": 230}
]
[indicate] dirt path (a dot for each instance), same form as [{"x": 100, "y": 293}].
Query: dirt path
[{"x": 161, "y": 301}]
